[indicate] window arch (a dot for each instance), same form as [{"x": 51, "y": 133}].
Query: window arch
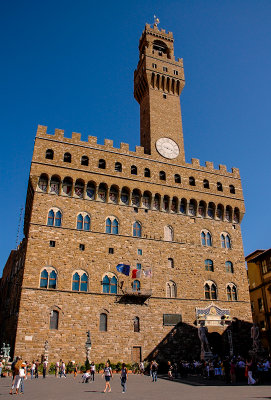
[
  {"x": 192, "y": 208},
  {"x": 165, "y": 205},
  {"x": 114, "y": 194},
  {"x": 91, "y": 190},
  {"x": 79, "y": 188},
  {"x": 136, "y": 285},
  {"x": 168, "y": 233},
  {"x": 206, "y": 184},
  {"x": 125, "y": 195},
  {"x": 225, "y": 240},
  {"x": 133, "y": 170},
  {"x": 136, "y": 198},
  {"x": 101, "y": 164},
  {"x": 118, "y": 167},
  {"x": 174, "y": 204},
  {"x": 137, "y": 229},
  {"x": 147, "y": 173},
  {"x": 112, "y": 225},
  {"x": 231, "y": 292},
  {"x": 55, "y": 184},
  {"x": 210, "y": 290},
  {"x": 192, "y": 181},
  {"x": 83, "y": 221},
  {"x": 219, "y": 212},
  {"x": 54, "y": 318},
  {"x": 84, "y": 160},
  {"x": 146, "y": 199},
  {"x": 67, "y": 158},
  {"x": 54, "y": 217},
  {"x": 171, "y": 289},
  {"x": 211, "y": 210},
  {"x": 103, "y": 322},
  {"x": 232, "y": 189},
  {"x": 157, "y": 201},
  {"x": 202, "y": 209},
  {"x": 177, "y": 178},
  {"x": 170, "y": 262},
  {"x": 206, "y": 238},
  {"x": 183, "y": 206},
  {"x": 48, "y": 278},
  {"x": 162, "y": 175},
  {"x": 228, "y": 242},
  {"x": 209, "y": 265},
  {"x": 136, "y": 324},
  {"x": 80, "y": 281},
  {"x": 228, "y": 214},
  {"x": 49, "y": 154},
  {"x": 219, "y": 186},
  {"x": 67, "y": 186},
  {"x": 109, "y": 283},
  {"x": 102, "y": 192},
  {"x": 236, "y": 215},
  {"x": 229, "y": 267},
  {"x": 43, "y": 182}
]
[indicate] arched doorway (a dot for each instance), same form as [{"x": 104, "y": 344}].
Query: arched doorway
[{"x": 216, "y": 343}]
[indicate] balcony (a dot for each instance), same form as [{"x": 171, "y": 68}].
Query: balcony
[{"x": 130, "y": 295}]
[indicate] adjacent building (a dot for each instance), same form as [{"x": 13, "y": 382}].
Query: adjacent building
[{"x": 91, "y": 207}]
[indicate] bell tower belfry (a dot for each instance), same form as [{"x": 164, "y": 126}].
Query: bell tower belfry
[{"x": 158, "y": 83}]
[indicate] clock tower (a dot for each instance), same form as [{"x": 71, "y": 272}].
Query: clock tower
[{"x": 158, "y": 83}]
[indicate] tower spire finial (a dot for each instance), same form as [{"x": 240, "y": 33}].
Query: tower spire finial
[{"x": 156, "y": 21}]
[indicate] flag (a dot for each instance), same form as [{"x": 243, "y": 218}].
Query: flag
[
  {"x": 136, "y": 273},
  {"x": 147, "y": 272},
  {"x": 123, "y": 269}
]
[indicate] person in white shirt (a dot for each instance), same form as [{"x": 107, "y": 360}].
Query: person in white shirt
[
  {"x": 86, "y": 377},
  {"x": 92, "y": 370}
]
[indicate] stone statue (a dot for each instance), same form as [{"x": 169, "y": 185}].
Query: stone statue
[
  {"x": 202, "y": 333},
  {"x": 88, "y": 345},
  {"x": 255, "y": 336}
]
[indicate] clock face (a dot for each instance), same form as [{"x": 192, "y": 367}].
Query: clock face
[{"x": 167, "y": 148}]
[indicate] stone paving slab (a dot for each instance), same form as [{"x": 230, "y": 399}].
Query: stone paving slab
[{"x": 138, "y": 387}]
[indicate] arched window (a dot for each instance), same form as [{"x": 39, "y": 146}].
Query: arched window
[
  {"x": 79, "y": 188},
  {"x": 43, "y": 182},
  {"x": 133, "y": 170},
  {"x": 170, "y": 262},
  {"x": 115, "y": 227},
  {"x": 146, "y": 199},
  {"x": 91, "y": 189},
  {"x": 229, "y": 267},
  {"x": 136, "y": 325},
  {"x": 44, "y": 279},
  {"x": 86, "y": 223},
  {"x": 209, "y": 239},
  {"x": 228, "y": 214},
  {"x": 54, "y": 217},
  {"x": 206, "y": 238},
  {"x": 236, "y": 215},
  {"x": 157, "y": 202},
  {"x": 213, "y": 292},
  {"x": 109, "y": 284},
  {"x": 147, "y": 173},
  {"x": 192, "y": 207},
  {"x": 54, "y": 317},
  {"x": 54, "y": 184},
  {"x": 102, "y": 164},
  {"x": 52, "y": 280},
  {"x": 219, "y": 186},
  {"x": 192, "y": 181},
  {"x": 114, "y": 194},
  {"x": 118, "y": 167},
  {"x": 171, "y": 289},
  {"x": 206, "y": 184},
  {"x": 168, "y": 233},
  {"x": 223, "y": 241},
  {"x": 80, "y": 221},
  {"x": 136, "y": 229},
  {"x": 228, "y": 242},
  {"x": 102, "y": 192},
  {"x": 103, "y": 322},
  {"x": 67, "y": 186},
  {"x": 232, "y": 189},
  {"x": 210, "y": 291},
  {"x": 211, "y": 210},
  {"x": 67, "y": 158},
  {"x": 183, "y": 204},
  {"x": 75, "y": 282},
  {"x": 108, "y": 225},
  {"x": 83, "y": 222},
  {"x": 202, "y": 209},
  {"x": 203, "y": 238},
  {"x": 84, "y": 160},
  {"x": 174, "y": 205},
  {"x": 209, "y": 266},
  {"x": 207, "y": 291},
  {"x": 112, "y": 225},
  {"x": 80, "y": 281},
  {"x": 49, "y": 154},
  {"x": 136, "y": 285},
  {"x": 177, "y": 178},
  {"x": 165, "y": 203},
  {"x": 124, "y": 196},
  {"x": 231, "y": 292},
  {"x": 162, "y": 175}
]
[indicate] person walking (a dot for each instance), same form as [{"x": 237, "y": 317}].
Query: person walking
[
  {"x": 75, "y": 371},
  {"x": 37, "y": 369},
  {"x": 22, "y": 375},
  {"x": 154, "y": 371},
  {"x": 108, "y": 375},
  {"x": 170, "y": 369},
  {"x": 123, "y": 377},
  {"x": 16, "y": 377},
  {"x": 32, "y": 369},
  {"x": 63, "y": 370},
  {"x": 141, "y": 368},
  {"x": 57, "y": 369},
  {"x": 250, "y": 379},
  {"x": 92, "y": 370},
  {"x": 44, "y": 368}
]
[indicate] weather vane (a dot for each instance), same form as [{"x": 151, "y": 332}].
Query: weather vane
[{"x": 156, "y": 20}]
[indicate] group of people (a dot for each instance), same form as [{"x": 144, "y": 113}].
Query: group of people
[{"x": 108, "y": 375}]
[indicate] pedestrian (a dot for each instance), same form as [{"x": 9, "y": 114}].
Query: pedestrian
[
  {"x": 250, "y": 379},
  {"x": 170, "y": 369},
  {"x": 37, "y": 369},
  {"x": 86, "y": 377},
  {"x": 154, "y": 371},
  {"x": 63, "y": 370},
  {"x": 151, "y": 369},
  {"x": 16, "y": 378},
  {"x": 57, "y": 369},
  {"x": 22, "y": 375},
  {"x": 92, "y": 370},
  {"x": 32, "y": 369},
  {"x": 123, "y": 377},
  {"x": 108, "y": 375},
  {"x": 44, "y": 368},
  {"x": 141, "y": 368},
  {"x": 1, "y": 367},
  {"x": 75, "y": 371}
]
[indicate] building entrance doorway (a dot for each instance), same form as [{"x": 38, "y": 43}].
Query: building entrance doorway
[
  {"x": 216, "y": 343},
  {"x": 136, "y": 354}
]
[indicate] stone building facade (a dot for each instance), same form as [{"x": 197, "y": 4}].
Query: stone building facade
[{"x": 91, "y": 207}]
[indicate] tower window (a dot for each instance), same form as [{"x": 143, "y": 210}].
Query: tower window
[
  {"x": 209, "y": 266},
  {"x": 118, "y": 167},
  {"x": 67, "y": 158},
  {"x": 177, "y": 178},
  {"x": 165, "y": 69},
  {"x": 49, "y": 154},
  {"x": 103, "y": 322},
  {"x": 147, "y": 173},
  {"x": 139, "y": 252},
  {"x": 102, "y": 164},
  {"x": 219, "y": 187},
  {"x": 81, "y": 247},
  {"x": 52, "y": 243},
  {"x": 111, "y": 250},
  {"x": 133, "y": 170},
  {"x": 84, "y": 160},
  {"x": 192, "y": 181},
  {"x": 154, "y": 65},
  {"x": 162, "y": 176},
  {"x": 54, "y": 316},
  {"x": 232, "y": 189},
  {"x": 164, "y": 96},
  {"x": 206, "y": 184},
  {"x": 176, "y": 72}
]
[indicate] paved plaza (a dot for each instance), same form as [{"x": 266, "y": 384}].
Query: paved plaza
[{"x": 139, "y": 387}]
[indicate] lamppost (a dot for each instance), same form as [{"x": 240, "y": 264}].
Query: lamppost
[{"x": 88, "y": 346}]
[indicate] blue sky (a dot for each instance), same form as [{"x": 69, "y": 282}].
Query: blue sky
[{"x": 69, "y": 65}]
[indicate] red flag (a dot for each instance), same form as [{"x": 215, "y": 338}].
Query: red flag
[{"x": 136, "y": 273}]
